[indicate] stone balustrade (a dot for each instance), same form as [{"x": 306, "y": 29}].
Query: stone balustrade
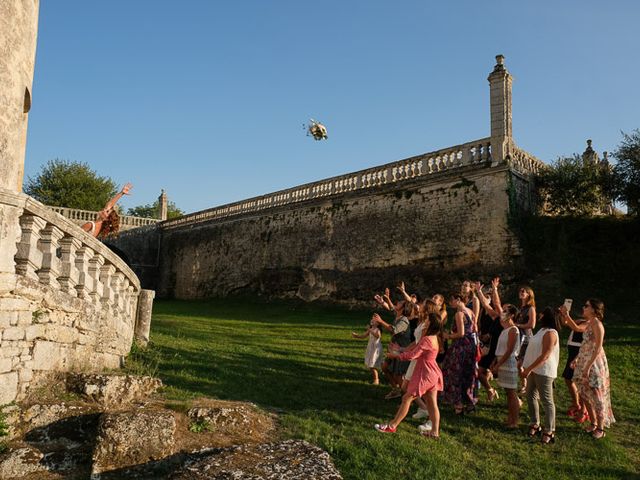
[
  {"x": 476, "y": 152},
  {"x": 82, "y": 216},
  {"x": 67, "y": 302},
  {"x": 525, "y": 163}
]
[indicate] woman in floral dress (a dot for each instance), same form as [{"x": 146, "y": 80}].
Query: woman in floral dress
[
  {"x": 460, "y": 366},
  {"x": 591, "y": 371}
]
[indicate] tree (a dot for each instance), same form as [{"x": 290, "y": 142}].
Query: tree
[
  {"x": 626, "y": 172},
  {"x": 571, "y": 186},
  {"x": 153, "y": 210},
  {"x": 65, "y": 183}
]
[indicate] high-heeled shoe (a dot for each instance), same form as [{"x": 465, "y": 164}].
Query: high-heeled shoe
[
  {"x": 548, "y": 438},
  {"x": 534, "y": 430}
]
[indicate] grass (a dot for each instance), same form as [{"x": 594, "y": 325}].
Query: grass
[{"x": 299, "y": 361}]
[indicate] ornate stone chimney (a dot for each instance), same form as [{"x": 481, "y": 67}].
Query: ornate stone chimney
[
  {"x": 19, "y": 27},
  {"x": 500, "y": 103},
  {"x": 162, "y": 202}
]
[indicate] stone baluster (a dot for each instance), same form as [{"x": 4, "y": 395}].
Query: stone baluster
[
  {"x": 49, "y": 242},
  {"x": 69, "y": 272},
  {"x": 118, "y": 287},
  {"x": 485, "y": 152},
  {"x": 128, "y": 297},
  {"x": 95, "y": 268},
  {"x": 29, "y": 257},
  {"x": 108, "y": 295},
  {"x": 467, "y": 156},
  {"x": 84, "y": 286}
]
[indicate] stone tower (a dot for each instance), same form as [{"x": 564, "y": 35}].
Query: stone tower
[
  {"x": 500, "y": 102},
  {"x": 18, "y": 33}
]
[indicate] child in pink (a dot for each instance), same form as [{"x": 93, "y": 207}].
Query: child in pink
[{"x": 426, "y": 379}]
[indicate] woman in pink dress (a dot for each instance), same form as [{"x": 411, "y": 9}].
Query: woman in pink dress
[
  {"x": 426, "y": 380},
  {"x": 591, "y": 370}
]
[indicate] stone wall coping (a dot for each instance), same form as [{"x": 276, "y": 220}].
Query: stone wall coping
[
  {"x": 31, "y": 205},
  {"x": 469, "y": 153}
]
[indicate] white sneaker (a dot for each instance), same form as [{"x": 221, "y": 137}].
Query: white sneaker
[
  {"x": 426, "y": 427},
  {"x": 420, "y": 414}
]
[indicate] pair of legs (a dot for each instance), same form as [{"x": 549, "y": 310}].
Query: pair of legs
[
  {"x": 540, "y": 387},
  {"x": 513, "y": 405},
  {"x": 374, "y": 372},
  {"x": 597, "y": 420},
  {"x": 573, "y": 394},
  {"x": 394, "y": 380},
  {"x": 484, "y": 375},
  {"x": 431, "y": 398}
]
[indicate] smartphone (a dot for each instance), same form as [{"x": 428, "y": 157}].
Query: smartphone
[{"x": 567, "y": 303}]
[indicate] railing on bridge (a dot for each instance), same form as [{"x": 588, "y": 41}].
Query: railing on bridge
[{"x": 476, "y": 152}]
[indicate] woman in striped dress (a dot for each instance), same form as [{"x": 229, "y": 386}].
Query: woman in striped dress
[{"x": 505, "y": 367}]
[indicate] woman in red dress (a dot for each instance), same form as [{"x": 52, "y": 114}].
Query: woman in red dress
[{"x": 426, "y": 380}]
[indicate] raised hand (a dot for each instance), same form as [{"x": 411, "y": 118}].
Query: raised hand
[
  {"x": 495, "y": 283},
  {"x": 126, "y": 189}
]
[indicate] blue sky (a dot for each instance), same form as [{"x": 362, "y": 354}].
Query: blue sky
[{"x": 206, "y": 99}]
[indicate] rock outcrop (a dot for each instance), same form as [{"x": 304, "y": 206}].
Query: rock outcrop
[
  {"x": 113, "y": 427},
  {"x": 288, "y": 460}
]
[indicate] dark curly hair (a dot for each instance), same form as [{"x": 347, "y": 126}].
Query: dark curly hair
[{"x": 111, "y": 225}]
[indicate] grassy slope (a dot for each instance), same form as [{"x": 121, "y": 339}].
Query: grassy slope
[{"x": 300, "y": 361}]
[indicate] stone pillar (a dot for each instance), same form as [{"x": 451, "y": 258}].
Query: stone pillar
[
  {"x": 500, "y": 105},
  {"x": 162, "y": 203},
  {"x": 143, "y": 318},
  {"x": 19, "y": 27}
]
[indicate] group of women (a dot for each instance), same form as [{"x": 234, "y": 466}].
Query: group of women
[{"x": 427, "y": 362}]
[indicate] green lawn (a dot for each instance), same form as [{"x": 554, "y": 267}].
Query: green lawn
[{"x": 299, "y": 361}]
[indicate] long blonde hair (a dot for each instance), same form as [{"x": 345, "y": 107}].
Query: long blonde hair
[{"x": 531, "y": 301}]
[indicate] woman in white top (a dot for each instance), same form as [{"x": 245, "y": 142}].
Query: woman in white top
[
  {"x": 540, "y": 366},
  {"x": 505, "y": 366}
]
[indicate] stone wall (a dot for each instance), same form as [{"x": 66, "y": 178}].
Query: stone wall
[
  {"x": 67, "y": 302},
  {"x": 430, "y": 231}
]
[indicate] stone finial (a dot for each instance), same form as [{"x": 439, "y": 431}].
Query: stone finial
[{"x": 590, "y": 156}]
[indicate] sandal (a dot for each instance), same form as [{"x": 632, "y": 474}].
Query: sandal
[
  {"x": 598, "y": 433},
  {"x": 591, "y": 429},
  {"x": 534, "y": 430},
  {"x": 430, "y": 435},
  {"x": 548, "y": 438}
]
